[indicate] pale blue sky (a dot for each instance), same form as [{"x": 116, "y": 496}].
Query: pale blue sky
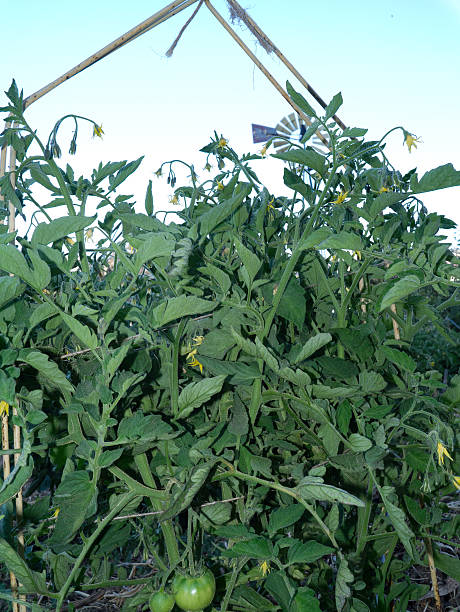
[{"x": 396, "y": 62}]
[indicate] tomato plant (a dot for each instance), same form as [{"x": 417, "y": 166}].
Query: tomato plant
[
  {"x": 246, "y": 383},
  {"x": 193, "y": 593}
]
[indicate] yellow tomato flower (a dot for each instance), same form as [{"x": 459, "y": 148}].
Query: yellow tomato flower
[
  {"x": 223, "y": 142},
  {"x": 89, "y": 233},
  {"x": 4, "y": 408},
  {"x": 456, "y": 481},
  {"x": 442, "y": 452},
  {"x": 383, "y": 189},
  {"x": 191, "y": 353},
  {"x": 263, "y": 151},
  {"x": 158, "y": 173},
  {"x": 270, "y": 209},
  {"x": 173, "y": 200},
  {"x": 264, "y": 568},
  {"x": 220, "y": 186},
  {"x": 70, "y": 240},
  {"x": 410, "y": 140},
  {"x": 341, "y": 197},
  {"x": 358, "y": 255},
  {"x": 97, "y": 130},
  {"x": 55, "y": 513},
  {"x": 194, "y": 362}
]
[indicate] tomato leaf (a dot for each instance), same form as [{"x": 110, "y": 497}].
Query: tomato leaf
[
  {"x": 401, "y": 289},
  {"x": 284, "y": 517},
  {"x": 307, "y": 552},
  {"x": 56, "y": 229},
  {"x": 33, "y": 582},
  {"x": 196, "y": 394}
]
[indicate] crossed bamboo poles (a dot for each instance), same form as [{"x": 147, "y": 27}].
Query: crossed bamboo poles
[{"x": 145, "y": 26}]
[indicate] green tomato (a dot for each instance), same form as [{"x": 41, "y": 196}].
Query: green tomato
[
  {"x": 161, "y": 602},
  {"x": 193, "y": 593}
]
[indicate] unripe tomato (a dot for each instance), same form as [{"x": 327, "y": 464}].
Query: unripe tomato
[
  {"x": 193, "y": 593},
  {"x": 161, "y": 602}
]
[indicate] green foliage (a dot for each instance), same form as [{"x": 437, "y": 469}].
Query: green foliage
[{"x": 229, "y": 389}]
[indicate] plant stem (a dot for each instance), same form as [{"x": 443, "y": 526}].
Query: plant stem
[
  {"x": 190, "y": 542},
  {"x": 286, "y": 490},
  {"x": 363, "y": 519},
  {"x": 113, "y": 583},
  {"x": 126, "y": 499},
  {"x": 236, "y": 161},
  {"x": 388, "y": 555},
  {"x": 175, "y": 369},
  {"x": 239, "y": 564},
  {"x": 292, "y": 262},
  {"x": 167, "y": 527},
  {"x": 355, "y": 282},
  {"x": 81, "y": 240},
  {"x": 434, "y": 578}
]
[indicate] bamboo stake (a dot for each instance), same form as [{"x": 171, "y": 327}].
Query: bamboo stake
[
  {"x": 262, "y": 68},
  {"x": 434, "y": 578},
  {"x": 19, "y": 505},
  {"x": 168, "y": 11},
  {"x": 361, "y": 288},
  {"x": 16, "y": 429},
  {"x": 11, "y": 209},
  {"x": 6, "y": 473},
  {"x": 5, "y": 421},
  {"x": 396, "y": 332},
  {"x": 260, "y": 34},
  {"x": 3, "y": 156},
  {"x": 5, "y": 446}
]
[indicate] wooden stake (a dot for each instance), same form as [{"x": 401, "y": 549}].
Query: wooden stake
[
  {"x": 3, "y": 155},
  {"x": 169, "y": 11},
  {"x": 19, "y": 504},
  {"x": 11, "y": 208},
  {"x": 260, "y": 34},
  {"x": 262, "y": 68},
  {"x": 396, "y": 332},
  {"x": 16, "y": 429},
  {"x": 361, "y": 288},
  {"x": 5, "y": 421},
  {"x": 6, "y": 473},
  {"x": 434, "y": 578}
]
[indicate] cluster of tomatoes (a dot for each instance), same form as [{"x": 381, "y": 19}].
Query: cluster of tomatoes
[{"x": 190, "y": 593}]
